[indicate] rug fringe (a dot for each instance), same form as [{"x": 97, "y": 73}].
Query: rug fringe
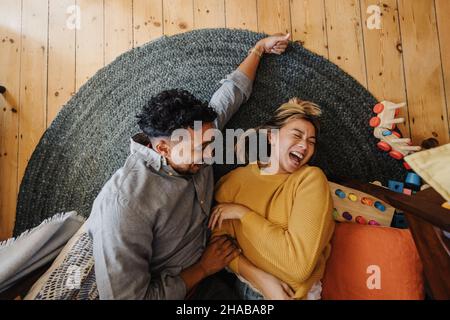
[{"x": 55, "y": 218}]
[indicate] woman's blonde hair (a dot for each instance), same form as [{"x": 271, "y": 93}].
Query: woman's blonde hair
[{"x": 295, "y": 108}]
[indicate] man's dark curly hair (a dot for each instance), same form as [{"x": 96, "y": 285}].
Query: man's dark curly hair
[{"x": 173, "y": 109}]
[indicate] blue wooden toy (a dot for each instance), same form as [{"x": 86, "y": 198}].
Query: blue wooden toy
[
  {"x": 413, "y": 181},
  {"x": 396, "y": 186}
]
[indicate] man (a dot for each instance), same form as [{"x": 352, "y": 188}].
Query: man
[{"x": 149, "y": 222}]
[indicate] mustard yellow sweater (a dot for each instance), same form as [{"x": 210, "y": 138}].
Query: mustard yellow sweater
[{"x": 289, "y": 226}]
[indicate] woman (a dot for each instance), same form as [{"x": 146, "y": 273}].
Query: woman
[{"x": 280, "y": 212}]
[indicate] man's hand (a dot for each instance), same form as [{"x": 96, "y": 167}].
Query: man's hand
[
  {"x": 218, "y": 254},
  {"x": 274, "y": 44},
  {"x": 226, "y": 211}
]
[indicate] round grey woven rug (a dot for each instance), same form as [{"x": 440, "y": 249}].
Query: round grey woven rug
[{"x": 89, "y": 139}]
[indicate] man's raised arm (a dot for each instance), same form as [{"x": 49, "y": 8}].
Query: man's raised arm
[{"x": 237, "y": 87}]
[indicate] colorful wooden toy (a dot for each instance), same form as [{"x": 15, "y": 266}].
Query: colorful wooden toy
[
  {"x": 386, "y": 115},
  {"x": 413, "y": 181},
  {"x": 384, "y": 124},
  {"x": 396, "y": 186},
  {"x": 352, "y": 205},
  {"x": 407, "y": 166},
  {"x": 380, "y": 206},
  {"x": 360, "y": 220},
  {"x": 407, "y": 191},
  {"x": 412, "y": 184},
  {"x": 377, "y": 183}
]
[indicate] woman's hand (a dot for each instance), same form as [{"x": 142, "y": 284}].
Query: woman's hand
[
  {"x": 274, "y": 289},
  {"x": 226, "y": 211},
  {"x": 274, "y": 44},
  {"x": 270, "y": 286}
]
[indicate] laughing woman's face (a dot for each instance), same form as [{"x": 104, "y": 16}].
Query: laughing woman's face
[{"x": 294, "y": 146}]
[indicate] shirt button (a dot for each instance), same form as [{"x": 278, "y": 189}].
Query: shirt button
[{"x": 202, "y": 202}]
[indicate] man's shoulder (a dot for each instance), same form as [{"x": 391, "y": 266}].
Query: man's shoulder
[
  {"x": 128, "y": 187},
  {"x": 132, "y": 178},
  {"x": 114, "y": 209}
]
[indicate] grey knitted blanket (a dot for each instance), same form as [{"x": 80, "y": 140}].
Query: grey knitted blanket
[
  {"x": 88, "y": 140},
  {"x": 36, "y": 247}
]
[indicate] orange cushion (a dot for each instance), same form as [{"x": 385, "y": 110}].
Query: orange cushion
[{"x": 371, "y": 263}]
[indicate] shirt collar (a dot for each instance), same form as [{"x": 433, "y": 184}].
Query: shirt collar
[{"x": 140, "y": 144}]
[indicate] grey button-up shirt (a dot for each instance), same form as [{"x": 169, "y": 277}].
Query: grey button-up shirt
[{"x": 148, "y": 222}]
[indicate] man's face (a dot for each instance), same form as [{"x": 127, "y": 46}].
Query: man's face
[{"x": 188, "y": 155}]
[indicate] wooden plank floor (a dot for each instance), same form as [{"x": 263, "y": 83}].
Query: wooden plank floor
[{"x": 45, "y": 56}]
